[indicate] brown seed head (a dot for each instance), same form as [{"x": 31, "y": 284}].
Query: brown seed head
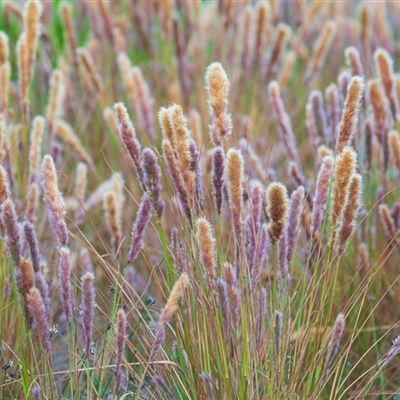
[
  {"x": 112, "y": 217},
  {"x": 350, "y": 211},
  {"x": 181, "y": 135},
  {"x": 344, "y": 170},
  {"x": 384, "y": 65},
  {"x": 348, "y": 122},
  {"x": 365, "y": 22},
  {"x": 4, "y": 48},
  {"x": 89, "y": 67},
  {"x": 32, "y": 12},
  {"x": 36, "y": 138},
  {"x": 320, "y": 50},
  {"x": 263, "y": 15},
  {"x": 379, "y": 105},
  {"x": 281, "y": 37},
  {"x": 26, "y": 276},
  {"x": 65, "y": 132},
  {"x": 32, "y": 199},
  {"x": 111, "y": 120},
  {"x": 5, "y": 73},
  {"x": 172, "y": 303},
  {"x": 206, "y": 243},
  {"x": 287, "y": 68},
  {"x": 277, "y": 206},
  {"x": 119, "y": 40},
  {"x": 80, "y": 183},
  {"x": 354, "y": 61},
  {"x": 394, "y": 146},
  {"x": 235, "y": 177},
  {"x": 67, "y": 19},
  {"x": 166, "y": 125},
  {"x": 55, "y": 106},
  {"x": 324, "y": 151},
  {"x": 217, "y": 87},
  {"x": 387, "y": 221},
  {"x": 4, "y": 186}
]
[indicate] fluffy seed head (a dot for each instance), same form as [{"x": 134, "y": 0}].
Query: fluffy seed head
[
  {"x": 112, "y": 218},
  {"x": 11, "y": 230},
  {"x": 55, "y": 106},
  {"x": 4, "y": 48},
  {"x": 292, "y": 229},
  {"x": 152, "y": 180},
  {"x": 128, "y": 136},
  {"x": 218, "y": 176},
  {"x": 387, "y": 221},
  {"x": 64, "y": 274},
  {"x": 37, "y": 310},
  {"x": 235, "y": 178},
  {"x": 87, "y": 309},
  {"x": 217, "y": 87},
  {"x": 320, "y": 50},
  {"x": 139, "y": 228},
  {"x": 4, "y": 186},
  {"x": 65, "y": 132},
  {"x": 25, "y": 277},
  {"x": 277, "y": 206},
  {"x": 344, "y": 170},
  {"x": 380, "y": 108},
  {"x": 54, "y": 200},
  {"x": 384, "y": 65},
  {"x": 350, "y": 211},
  {"x": 91, "y": 72},
  {"x": 172, "y": 303},
  {"x": 394, "y": 146},
  {"x": 333, "y": 345},
  {"x": 348, "y": 122},
  {"x": 145, "y": 101},
  {"x": 321, "y": 194},
  {"x": 36, "y": 138},
  {"x": 206, "y": 243}
]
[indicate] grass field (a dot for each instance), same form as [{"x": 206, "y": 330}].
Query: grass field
[{"x": 199, "y": 199}]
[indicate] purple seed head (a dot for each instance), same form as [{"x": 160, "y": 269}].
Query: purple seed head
[
  {"x": 43, "y": 287},
  {"x": 152, "y": 180},
  {"x": 12, "y": 231},
  {"x": 87, "y": 309},
  {"x": 293, "y": 226},
  {"x": 33, "y": 244},
  {"x": 218, "y": 176},
  {"x": 139, "y": 228},
  {"x": 64, "y": 274},
  {"x": 333, "y": 345},
  {"x": 37, "y": 310},
  {"x": 128, "y": 136}
]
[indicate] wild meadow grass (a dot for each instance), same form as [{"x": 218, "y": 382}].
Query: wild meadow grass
[{"x": 199, "y": 200}]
